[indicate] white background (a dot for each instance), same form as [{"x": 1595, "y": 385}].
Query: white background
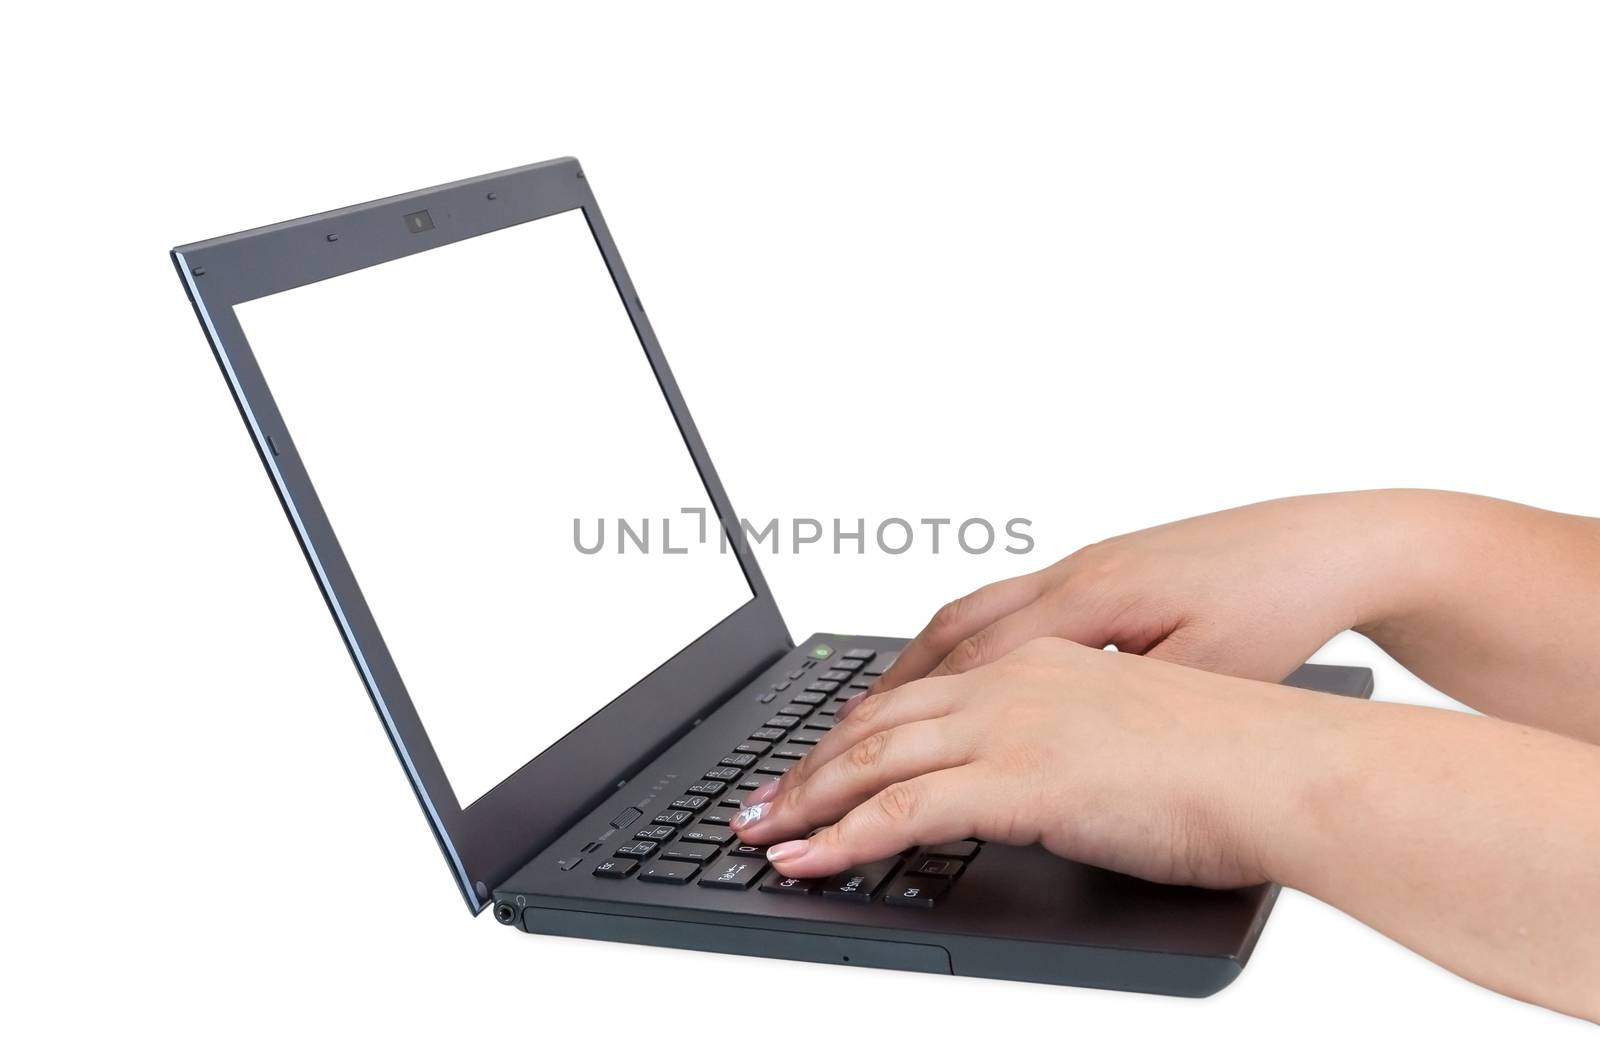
[{"x": 1098, "y": 266}]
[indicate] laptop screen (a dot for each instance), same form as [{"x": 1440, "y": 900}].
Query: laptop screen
[{"x": 480, "y": 422}]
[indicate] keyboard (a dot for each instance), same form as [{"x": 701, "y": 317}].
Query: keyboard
[{"x": 690, "y": 841}]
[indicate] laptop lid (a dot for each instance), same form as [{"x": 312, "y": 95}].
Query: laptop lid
[{"x": 468, "y": 377}]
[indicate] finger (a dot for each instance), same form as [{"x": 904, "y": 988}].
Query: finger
[
  {"x": 956, "y": 621},
  {"x": 1000, "y": 638},
  {"x": 922, "y": 700},
  {"x": 927, "y": 810},
  {"x": 877, "y": 761}
]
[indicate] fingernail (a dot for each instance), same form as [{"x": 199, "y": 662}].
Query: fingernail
[
  {"x": 848, "y": 707},
  {"x": 749, "y": 816},
  {"x": 788, "y": 850},
  {"x": 761, "y": 793}
]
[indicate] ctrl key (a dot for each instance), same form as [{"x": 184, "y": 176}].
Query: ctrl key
[
  {"x": 780, "y": 884},
  {"x": 616, "y": 867},
  {"x": 911, "y": 892}
]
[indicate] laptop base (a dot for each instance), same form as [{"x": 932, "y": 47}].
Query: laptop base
[{"x": 1014, "y": 913}]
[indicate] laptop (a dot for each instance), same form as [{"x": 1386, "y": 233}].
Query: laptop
[{"x": 561, "y": 620}]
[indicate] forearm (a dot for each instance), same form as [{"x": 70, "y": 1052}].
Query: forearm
[
  {"x": 1475, "y": 842},
  {"x": 1495, "y": 603}
]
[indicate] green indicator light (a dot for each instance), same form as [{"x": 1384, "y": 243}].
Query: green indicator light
[{"x": 820, "y": 652}]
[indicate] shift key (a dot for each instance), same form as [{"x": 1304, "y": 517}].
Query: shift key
[{"x": 860, "y": 883}]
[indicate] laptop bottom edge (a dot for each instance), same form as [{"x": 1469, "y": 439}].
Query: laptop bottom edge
[{"x": 1126, "y": 970}]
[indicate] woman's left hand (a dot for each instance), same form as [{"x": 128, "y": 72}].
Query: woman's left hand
[{"x": 1131, "y": 764}]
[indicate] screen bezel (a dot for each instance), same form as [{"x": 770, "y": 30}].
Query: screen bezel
[{"x": 506, "y": 827}]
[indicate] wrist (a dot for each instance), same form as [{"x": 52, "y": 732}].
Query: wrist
[
  {"x": 1319, "y": 754},
  {"x": 1411, "y": 546}
]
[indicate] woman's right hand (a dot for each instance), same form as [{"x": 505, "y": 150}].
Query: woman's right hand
[{"x": 1250, "y": 592}]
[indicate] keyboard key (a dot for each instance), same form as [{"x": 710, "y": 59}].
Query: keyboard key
[
  {"x": 636, "y": 850},
  {"x": 774, "y": 767},
  {"x": 615, "y": 868},
  {"x": 809, "y": 699},
  {"x": 751, "y": 784},
  {"x": 722, "y": 774},
  {"x": 767, "y": 698},
  {"x": 845, "y": 665},
  {"x": 749, "y": 852},
  {"x": 737, "y": 760},
  {"x": 718, "y": 818},
  {"x": 674, "y": 818},
  {"x": 732, "y": 801},
  {"x": 672, "y": 872},
  {"x": 708, "y": 788},
  {"x": 907, "y": 892},
  {"x": 820, "y": 723},
  {"x": 809, "y": 737},
  {"x": 822, "y": 686},
  {"x": 859, "y": 655},
  {"x": 960, "y": 850},
  {"x": 784, "y": 722},
  {"x": 881, "y": 665},
  {"x": 836, "y": 675},
  {"x": 707, "y": 835},
  {"x": 860, "y": 883},
  {"x": 936, "y": 867},
  {"x": 781, "y": 686},
  {"x": 735, "y": 873},
  {"x": 694, "y": 854},
  {"x": 797, "y": 673},
  {"x": 769, "y": 734},
  {"x": 777, "y": 883},
  {"x": 691, "y": 802},
  {"x": 758, "y": 749},
  {"x": 791, "y": 752},
  {"x": 656, "y": 834}
]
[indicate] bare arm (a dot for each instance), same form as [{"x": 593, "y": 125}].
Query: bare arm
[
  {"x": 1474, "y": 841},
  {"x": 1495, "y": 603},
  {"x": 1504, "y": 611}
]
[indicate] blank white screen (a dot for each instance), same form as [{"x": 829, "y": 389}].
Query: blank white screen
[{"x": 462, "y": 538}]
